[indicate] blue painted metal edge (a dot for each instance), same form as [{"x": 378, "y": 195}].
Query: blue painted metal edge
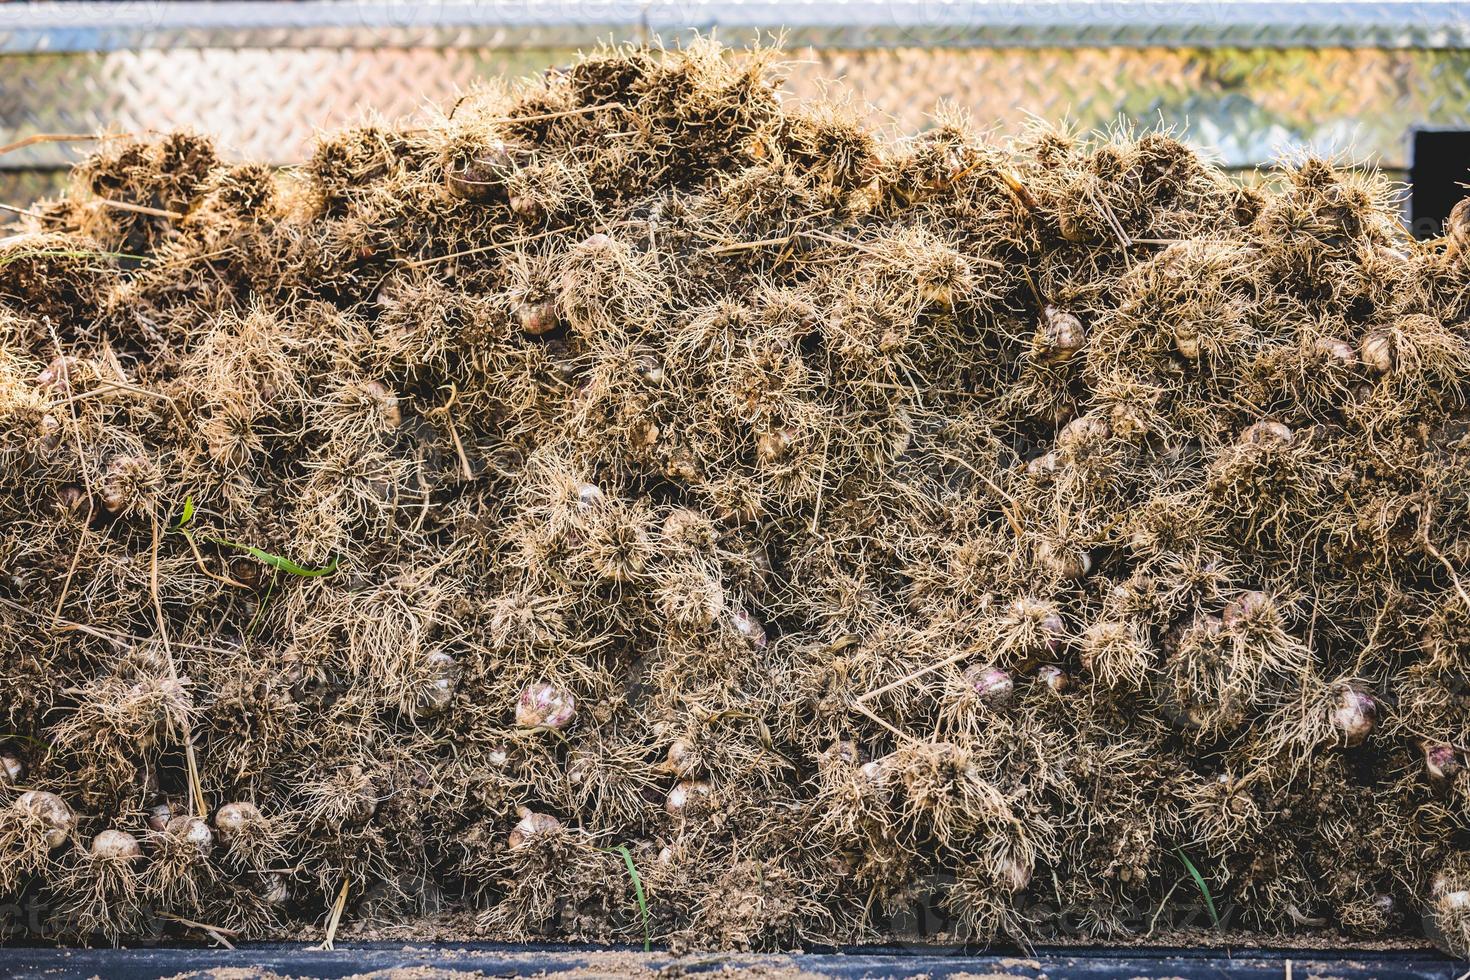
[{"x": 509, "y": 960}]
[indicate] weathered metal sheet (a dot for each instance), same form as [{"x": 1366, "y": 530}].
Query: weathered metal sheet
[
  {"x": 1247, "y": 105},
  {"x": 1350, "y": 79},
  {"x": 90, "y": 26}
]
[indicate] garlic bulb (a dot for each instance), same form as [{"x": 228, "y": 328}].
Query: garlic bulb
[
  {"x": 53, "y": 812},
  {"x": 437, "y": 691},
  {"x": 118, "y": 845},
  {"x": 12, "y": 769},
  {"x": 275, "y": 888},
  {"x": 687, "y": 796},
  {"x": 1267, "y": 433},
  {"x": 1354, "y": 713},
  {"x": 234, "y": 818},
  {"x": 531, "y": 826},
  {"x": 1055, "y": 679},
  {"x": 682, "y": 759},
  {"x": 192, "y": 829},
  {"x": 545, "y": 706},
  {"x": 1060, "y": 337},
  {"x": 992, "y": 685},
  {"x": 159, "y": 814},
  {"x": 1379, "y": 352},
  {"x": 1442, "y": 762},
  {"x": 1245, "y": 608},
  {"x": 749, "y": 627}
]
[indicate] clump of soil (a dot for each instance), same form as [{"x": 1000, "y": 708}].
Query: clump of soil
[{"x": 636, "y": 505}]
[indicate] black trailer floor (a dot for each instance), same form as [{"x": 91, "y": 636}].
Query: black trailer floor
[{"x": 501, "y": 960}]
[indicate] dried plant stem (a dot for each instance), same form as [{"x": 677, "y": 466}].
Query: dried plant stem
[
  {"x": 196, "y": 791},
  {"x": 899, "y": 733},
  {"x": 338, "y": 907},
  {"x": 915, "y": 675},
  {"x": 546, "y": 116},
  {"x": 138, "y": 209},
  {"x": 218, "y": 933},
  {"x": 493, "y": 247},
  {"x": 28, "y": 213},
  {"x": 36, "y": 138}
]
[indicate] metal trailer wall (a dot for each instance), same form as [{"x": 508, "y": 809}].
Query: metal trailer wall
[{"x": 1251, "y": 81}]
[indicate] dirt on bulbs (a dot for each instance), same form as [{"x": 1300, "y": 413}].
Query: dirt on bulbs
[{"x": 630, "y": 504}]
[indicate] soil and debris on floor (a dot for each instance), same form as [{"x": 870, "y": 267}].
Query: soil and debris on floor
[{"x": 630, "y": 505}]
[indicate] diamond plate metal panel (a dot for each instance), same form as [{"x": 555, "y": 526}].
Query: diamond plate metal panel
[
  {"x": 21, "y": 186},
  {"x": 259, "y": 103},
  {"x": 90, "y": 26},
  {"x": 1249, "y": 105}
]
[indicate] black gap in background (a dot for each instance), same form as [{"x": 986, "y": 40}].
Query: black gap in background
[{"x": 1438, "y": 172}]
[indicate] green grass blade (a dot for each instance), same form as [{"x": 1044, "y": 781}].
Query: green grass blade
[
  {"x": 1199, "y": 880},
  {"x": 638, "y": 891},
  {"x": 64, "y": 253},
  {"x": 277, "y": 562},
  {"x": 290, "y": 567}
]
